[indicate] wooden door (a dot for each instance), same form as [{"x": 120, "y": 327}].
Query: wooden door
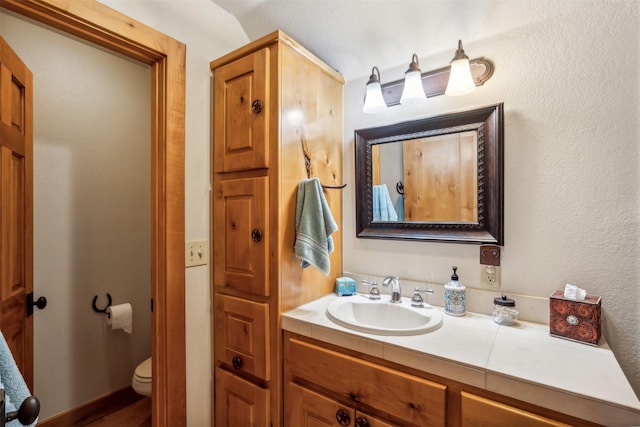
[
  {"x": 16, "y": 210},
  {"x": 240, "y": 403},
  {"x": 240, "y": 239},
  {"x": 241, "y": 116},
  {"x": 441, "y": 179}
]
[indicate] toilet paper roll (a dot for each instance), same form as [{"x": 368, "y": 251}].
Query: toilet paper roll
[{"x": 120, "y": 316}]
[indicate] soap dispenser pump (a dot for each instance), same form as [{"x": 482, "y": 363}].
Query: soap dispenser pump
[{"x": 454, "y": 296}]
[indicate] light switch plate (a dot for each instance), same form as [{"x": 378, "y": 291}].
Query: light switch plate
[{"x": 196, "y": 253}]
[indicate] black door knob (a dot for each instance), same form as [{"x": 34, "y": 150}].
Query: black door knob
[{"x": 40, "y": 303}]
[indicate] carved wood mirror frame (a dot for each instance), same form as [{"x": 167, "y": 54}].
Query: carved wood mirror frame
[{"x": 489, "y": 228}]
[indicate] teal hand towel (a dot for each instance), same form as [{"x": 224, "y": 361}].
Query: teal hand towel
[
  {"x": 314, "y": 226},
  {"x": 383, "y": 209},
  {"x": 15, "y": 389}
]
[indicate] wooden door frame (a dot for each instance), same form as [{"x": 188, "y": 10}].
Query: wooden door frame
[{"x": 105, "y": 27}]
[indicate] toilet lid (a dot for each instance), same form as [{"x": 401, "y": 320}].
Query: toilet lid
[{"x": 143, "y": 371}]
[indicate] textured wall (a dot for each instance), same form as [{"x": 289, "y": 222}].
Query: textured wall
[{"x": 572, "y": 211}]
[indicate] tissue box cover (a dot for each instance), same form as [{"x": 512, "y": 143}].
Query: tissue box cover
[
  {"x": 575, "y": 320},
  {"x": 345, "y": 286}
]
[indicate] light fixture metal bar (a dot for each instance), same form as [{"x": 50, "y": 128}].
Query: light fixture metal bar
[{"x": 435, "y": 82}]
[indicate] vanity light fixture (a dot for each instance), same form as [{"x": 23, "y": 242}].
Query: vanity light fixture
[
  {"x": 433, "y": 83},
  {"x": 373, "y": 99},
  {"x": 413, "y": 93},
  {"x": 460, "y": 79}
]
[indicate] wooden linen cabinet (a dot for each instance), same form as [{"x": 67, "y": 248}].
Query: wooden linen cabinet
[{"x": 274, "y": 103}]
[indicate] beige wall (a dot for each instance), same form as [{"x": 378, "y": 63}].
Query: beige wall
[
  {"x": 570, "y": 88},
  {"x": 91, "y": 212}
]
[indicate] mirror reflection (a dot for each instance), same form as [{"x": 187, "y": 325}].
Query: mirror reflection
[
  {"x": 437, "y": 179},
  {"x": 429, "y": 179}
]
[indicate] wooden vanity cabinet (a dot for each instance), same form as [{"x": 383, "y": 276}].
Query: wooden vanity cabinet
[
  {"x": 322, "y": 380},
  {"x": 277, "y": 119}
]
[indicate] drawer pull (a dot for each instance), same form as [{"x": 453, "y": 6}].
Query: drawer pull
[
  {"x": 256, "y": 106},
  {"x": 256, "y": 235},
  {"x": 236, "y": 362},
  {"x": 343, "y": 417},
  {"x": 362, "y": 422}
]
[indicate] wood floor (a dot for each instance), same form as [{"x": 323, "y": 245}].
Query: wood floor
[{"x": 138, "y": 414}]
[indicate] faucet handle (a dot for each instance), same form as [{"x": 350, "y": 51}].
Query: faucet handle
[
  {"x": 416, "y": 299},
  {"x": 374, "y": 292}
]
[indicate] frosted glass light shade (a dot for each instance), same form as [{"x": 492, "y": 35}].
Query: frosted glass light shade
[
  {"x": 460, "y": 79},
  {"x": 413, "y": 92},
  {"x": 373, "y": 100}
]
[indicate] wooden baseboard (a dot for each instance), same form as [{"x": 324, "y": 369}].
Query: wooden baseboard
[{"x": 94, "y": 409}]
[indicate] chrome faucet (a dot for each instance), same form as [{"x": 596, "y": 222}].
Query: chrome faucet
[
  {"x": 374, "y": 292},
  {"x": 396, "y": 292}
]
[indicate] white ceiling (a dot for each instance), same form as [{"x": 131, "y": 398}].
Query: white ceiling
[{"x": 354, "y": 35}]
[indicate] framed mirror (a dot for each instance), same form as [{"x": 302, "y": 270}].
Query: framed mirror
[{"x": 434, "y": 179}]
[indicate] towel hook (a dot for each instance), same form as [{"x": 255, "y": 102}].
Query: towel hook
[
  {"x": 101, "y": 310},
  {"x": 307, "y": 165}
]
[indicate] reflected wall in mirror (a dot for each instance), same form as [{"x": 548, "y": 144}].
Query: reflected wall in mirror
[{"x": 435, "y": 179}]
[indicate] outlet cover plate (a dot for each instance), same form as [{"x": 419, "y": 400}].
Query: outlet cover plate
[{"x": 490, "y": 276}]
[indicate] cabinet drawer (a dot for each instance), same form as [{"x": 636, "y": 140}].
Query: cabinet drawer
[
  {"x": 478, "y": 410},
  {"x": 242, "y": 335},
  {"x": 415, "y": 400},
  {"x": 240, "y": 239},
  {"x": 241, "y": 114},
  {"x": 239, "y": 402}
]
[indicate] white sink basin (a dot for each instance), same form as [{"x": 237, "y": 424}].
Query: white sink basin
[{"x": 383, "y": 317}]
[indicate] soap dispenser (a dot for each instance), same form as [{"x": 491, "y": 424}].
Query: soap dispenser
[{"x": 454, "y": 296}]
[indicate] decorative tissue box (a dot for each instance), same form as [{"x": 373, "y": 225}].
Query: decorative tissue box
[{"x": 575, "y": 320}]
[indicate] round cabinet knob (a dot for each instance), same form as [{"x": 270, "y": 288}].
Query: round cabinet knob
[
  {"x": 236, "y": 362},
  {"x": 256, "y": 235},
  {"x": 362, "y": 422},
  {"x": 343, "y": 417},
  {"x": 256, "y": 106}
]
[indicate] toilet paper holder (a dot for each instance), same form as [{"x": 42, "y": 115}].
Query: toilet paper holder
[{"x": 102, "y": 310}]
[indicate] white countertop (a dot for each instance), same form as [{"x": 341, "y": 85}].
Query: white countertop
[{"x": 522, "y": 361}]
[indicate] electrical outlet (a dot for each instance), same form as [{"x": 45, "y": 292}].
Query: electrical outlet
[
  {"x": 196, "y": 253},
  {"x": 490, "y": 276}
]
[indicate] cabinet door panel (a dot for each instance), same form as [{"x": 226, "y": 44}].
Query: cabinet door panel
[
  {"x": 479, "y": 411},
  {"x": 240, "y": 126},
  {"x": 239, "y": 402},
  {"x": 240, "y": 237},
  {"x": 307, "y": 408},
  {"x": 363, "y": 419},
  {"x": 242, "y": 335}
]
